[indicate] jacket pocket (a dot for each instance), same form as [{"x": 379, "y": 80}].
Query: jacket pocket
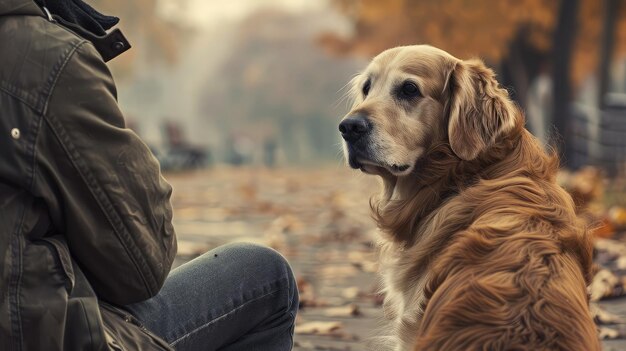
[
  {"x": 129, "y": 333},
  {"x": 83, "y": 328},
  {"x": 58, "y": 244}
]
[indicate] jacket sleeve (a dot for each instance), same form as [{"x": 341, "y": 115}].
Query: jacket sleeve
[{"x": 102, "y": 185}]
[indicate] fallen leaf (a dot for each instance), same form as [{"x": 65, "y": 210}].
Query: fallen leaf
[
  {"x": 303, "y": 344},
  {"x": 306, "y": 292},
  {"x": 606, "y": 284},
  {"x": 604, "y": 229},
  {"x": 620, "y": 262},
  {"x": 585, "y": 185},
  {"x": 608, "y": 333},
  {"x": 351, "y": 310},
  {"x": 617, "y": 216},
  {"x": 366, "y": 266},
  {"x": 351, "y": 293},
  {"x": 319, "y": 328},
  {"x": 603, "y": 317}
]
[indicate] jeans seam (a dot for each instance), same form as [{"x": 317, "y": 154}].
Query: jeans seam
[{"x": 221, "y": 317}]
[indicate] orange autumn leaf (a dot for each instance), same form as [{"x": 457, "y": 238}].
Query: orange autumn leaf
[{"x": 604, "y": 230}]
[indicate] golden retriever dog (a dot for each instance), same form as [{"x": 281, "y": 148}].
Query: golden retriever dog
[{"x": 480, "y": 249}]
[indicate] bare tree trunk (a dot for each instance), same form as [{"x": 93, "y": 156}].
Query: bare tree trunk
[
  {"x": 563, "y": 43},
  {"x": 611, "y": 8}
]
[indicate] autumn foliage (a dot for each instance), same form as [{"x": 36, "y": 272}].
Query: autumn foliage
[{"x": 483, "y": 28}]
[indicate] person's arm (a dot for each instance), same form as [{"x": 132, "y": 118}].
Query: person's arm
[{"x": 102, "y": 185}]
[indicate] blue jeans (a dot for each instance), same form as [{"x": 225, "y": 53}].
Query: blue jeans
[{"x": 235, "y": 297}]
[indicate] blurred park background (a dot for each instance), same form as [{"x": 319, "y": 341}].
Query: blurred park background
[
  {"x": 240, "y": 101},
  {"x": 259, "y": 81}
]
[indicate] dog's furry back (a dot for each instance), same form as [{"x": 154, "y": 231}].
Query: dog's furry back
[{"x": 498, "y": 264}]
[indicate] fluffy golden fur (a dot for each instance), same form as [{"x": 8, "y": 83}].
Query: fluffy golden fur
[{"x": 480, "y": 248}]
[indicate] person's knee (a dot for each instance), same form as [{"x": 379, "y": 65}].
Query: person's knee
[
  {"x": 257, "y": 255},
  {"x": 266, "y": 262}
]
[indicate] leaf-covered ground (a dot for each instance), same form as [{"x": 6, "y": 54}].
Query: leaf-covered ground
[{"x": 319, "y": 219}]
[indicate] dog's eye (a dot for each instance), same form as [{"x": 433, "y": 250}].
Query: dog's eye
[
  {"x": 366, "y": 87},
  {"x": 409, "y": 90}
]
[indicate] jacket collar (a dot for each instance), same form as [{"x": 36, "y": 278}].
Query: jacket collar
[{"x": 109, "y": 45}]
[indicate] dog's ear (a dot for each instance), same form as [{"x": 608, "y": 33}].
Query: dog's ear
[{"x": 478, "y": 110}]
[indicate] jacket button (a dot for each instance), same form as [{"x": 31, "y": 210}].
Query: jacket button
[
  {"x": 15, "y": 133},
  {"x": 117, "y": 46}
]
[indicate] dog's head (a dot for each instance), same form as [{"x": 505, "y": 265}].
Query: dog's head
[{"x": 411, "y": 98}]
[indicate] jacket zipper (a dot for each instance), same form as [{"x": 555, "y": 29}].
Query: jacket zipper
[{"x": 50, "y": 18}]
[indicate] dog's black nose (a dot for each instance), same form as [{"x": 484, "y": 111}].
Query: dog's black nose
[{"x": 353, "y": 128}]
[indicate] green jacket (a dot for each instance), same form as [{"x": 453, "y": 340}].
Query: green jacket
[{"x": 85, "y": 215}]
